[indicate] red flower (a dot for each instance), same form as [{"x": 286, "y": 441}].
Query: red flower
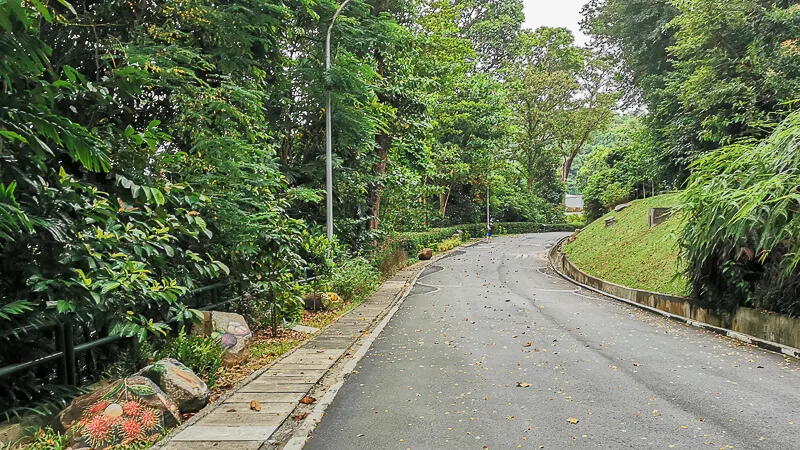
[
  {"x": 149, "y": 419},
  {"x": 132, "y": 429},
  {"x": 98, "y": 429},
  {"x": 98, "y": 407},
  {"x": 132, "y": 409}
]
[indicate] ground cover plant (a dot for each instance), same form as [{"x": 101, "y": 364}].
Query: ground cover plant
[{"x": 631, "y": 253}]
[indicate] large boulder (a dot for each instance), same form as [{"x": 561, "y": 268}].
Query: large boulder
[
  {"x": 619, "y": 208},
  {"x": 124, "y": 412},
  {"x": 425, "y": 254},
  {"x": 233, "y": 333},
  {"x": 180, "y": 384},
  {"x": 322, "y": 300}
]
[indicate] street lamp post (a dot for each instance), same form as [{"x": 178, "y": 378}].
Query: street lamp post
[{"x": 328, "y": 127}]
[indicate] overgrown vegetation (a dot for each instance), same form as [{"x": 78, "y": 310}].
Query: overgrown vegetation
[
  {"x": 631, "y": 253},
  {"x": 156, "y": 147},
  {"x": 709, "y": 72},
  {"x": 201, "y": 354},
  {"x": 354, "y": 279},
  {"x": 621, "y": 164},
  {"x": 743, "y": 221}
]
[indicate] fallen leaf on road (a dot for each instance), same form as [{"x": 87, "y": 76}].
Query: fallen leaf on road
[
  {"x": 636, "y": 364},
  {"x": 307, "y": 400},
  {"x": 299, "y": 417},
  {"x": 523, "y": 385},
  {"x": 573, "y": 420},
  {"x": 231, "y": 410},
  {"x": 528, "y": 344},
  {"x": 536, "y": 350},
  {"x": 255, "y": 405}
]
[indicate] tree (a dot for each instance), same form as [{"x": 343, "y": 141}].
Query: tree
[
  {"x": 710, "y": 73},
  {"x": 493, "y": 27},
  {"x": 591, "y": 111}
]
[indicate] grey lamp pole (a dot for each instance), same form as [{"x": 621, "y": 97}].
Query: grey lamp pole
[{"x": 328, "y": 127}]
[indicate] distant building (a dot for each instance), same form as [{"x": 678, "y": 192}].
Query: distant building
[{"x": 574, "y": 204}]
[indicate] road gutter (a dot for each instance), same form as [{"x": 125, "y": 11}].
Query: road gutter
[{"x": 746, "y": 338}]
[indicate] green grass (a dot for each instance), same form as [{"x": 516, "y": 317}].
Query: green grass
[
  {"x": 272, "y": 350},
  {"x": 631, "y": 253}
]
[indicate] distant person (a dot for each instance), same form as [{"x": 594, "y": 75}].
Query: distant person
[{"x": 490, "y": 231}]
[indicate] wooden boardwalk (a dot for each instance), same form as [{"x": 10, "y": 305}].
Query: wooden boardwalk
[{"x": 231, "y": 424}]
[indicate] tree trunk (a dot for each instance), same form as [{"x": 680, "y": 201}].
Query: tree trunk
[
  {"x": 376, "y": 189},
  {"x": 443, "y": 199},
  {"x": 286, "y": 148},
  {"x": 569, "y": 158},
  {"x": 567, "y": 166}
]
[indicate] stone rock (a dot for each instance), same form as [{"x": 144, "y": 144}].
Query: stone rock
[
  {"x": 611, "y": 221},
  {"x": 658, "y": 216},
  {"x": 425, "y": 254},
  {"x": 322, "y": 300},
  {"x": 305, "y": 329},
  {"x": 233, "y": 333},
  {"x": 129, "y": 410},
  {"x": 186, "y": 389},
  {"x": 619, "y": 208}
]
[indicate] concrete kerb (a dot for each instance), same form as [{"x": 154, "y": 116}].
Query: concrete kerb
[
  {"x": 223, "y": 398},
  {"x": 309, "y": 424},
  {"x": 391, "y": 308},
  {"x": 746, "y": 338}
]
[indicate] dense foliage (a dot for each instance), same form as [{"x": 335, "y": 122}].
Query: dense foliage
[
  {"x": 714, "y": 77},
  {"x": 153, "y": 148},
  {"x": 621, "y": 164},
  {"x": 742, "y": 223},
  {"x": 709, "y": 72}
]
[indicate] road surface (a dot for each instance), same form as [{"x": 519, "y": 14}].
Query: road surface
[{"x": 493, "y": 350}]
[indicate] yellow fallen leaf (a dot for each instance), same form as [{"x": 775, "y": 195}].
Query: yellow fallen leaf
[
  {"x": 573, "y": 420},
  {"x": 255, "y": 405}
]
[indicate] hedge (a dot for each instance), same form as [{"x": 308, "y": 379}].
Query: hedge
[{"x": 393, "y": 251}]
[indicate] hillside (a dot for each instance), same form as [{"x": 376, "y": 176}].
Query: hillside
[{"x": 631, "y": 253}]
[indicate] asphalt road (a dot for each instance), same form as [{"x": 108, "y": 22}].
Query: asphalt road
[{"x": 445, "y": 371}]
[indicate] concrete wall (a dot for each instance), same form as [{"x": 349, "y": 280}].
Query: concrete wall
[{"x": 744, "y": 324}]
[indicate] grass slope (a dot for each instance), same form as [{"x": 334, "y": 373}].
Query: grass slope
[{"x": 631, "y": 253}]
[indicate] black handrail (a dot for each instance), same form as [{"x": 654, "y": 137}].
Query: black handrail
[{"x": 66, "y": 351}]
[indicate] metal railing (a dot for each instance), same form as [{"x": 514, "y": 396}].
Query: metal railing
[{"x": 66, "y": 354}]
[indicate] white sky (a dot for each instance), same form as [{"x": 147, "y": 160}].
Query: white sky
[{"x": 555, "y": 13}]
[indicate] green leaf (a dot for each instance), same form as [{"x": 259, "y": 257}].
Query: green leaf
[
  {"x": 141, "y": 390},
  {"x": 63, "y": 306},
  {"x": 116, "y": 390}
]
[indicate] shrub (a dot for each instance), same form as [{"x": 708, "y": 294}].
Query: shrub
[
  {"x": 557, "y": 227},
  {"x": 576, "y": 219},
  {"x": 518, "y": 227},
  {"x": 288, "y": 306},
  {"x": 46, "y": 439},
  {"x": 354, "y": 280},
  {"x": 448, "y": 244},
  {"x": 202, "y": 354},
  {"x": 742, "y": 233}
]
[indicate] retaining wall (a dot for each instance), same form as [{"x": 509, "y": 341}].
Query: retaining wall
[{"x": 768, "y": 330}]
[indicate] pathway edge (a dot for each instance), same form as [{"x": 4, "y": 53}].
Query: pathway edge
[
  {"x": 742, "y": 337},
  {"x": 304, "y": 432}
]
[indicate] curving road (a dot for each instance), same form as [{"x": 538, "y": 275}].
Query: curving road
[{"x": 445, "y": 371}]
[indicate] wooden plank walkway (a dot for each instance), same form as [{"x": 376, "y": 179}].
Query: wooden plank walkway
[{"x": 230, "y": 424}]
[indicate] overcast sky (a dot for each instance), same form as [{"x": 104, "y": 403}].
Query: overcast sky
[{"x": 555, "y": 13}]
